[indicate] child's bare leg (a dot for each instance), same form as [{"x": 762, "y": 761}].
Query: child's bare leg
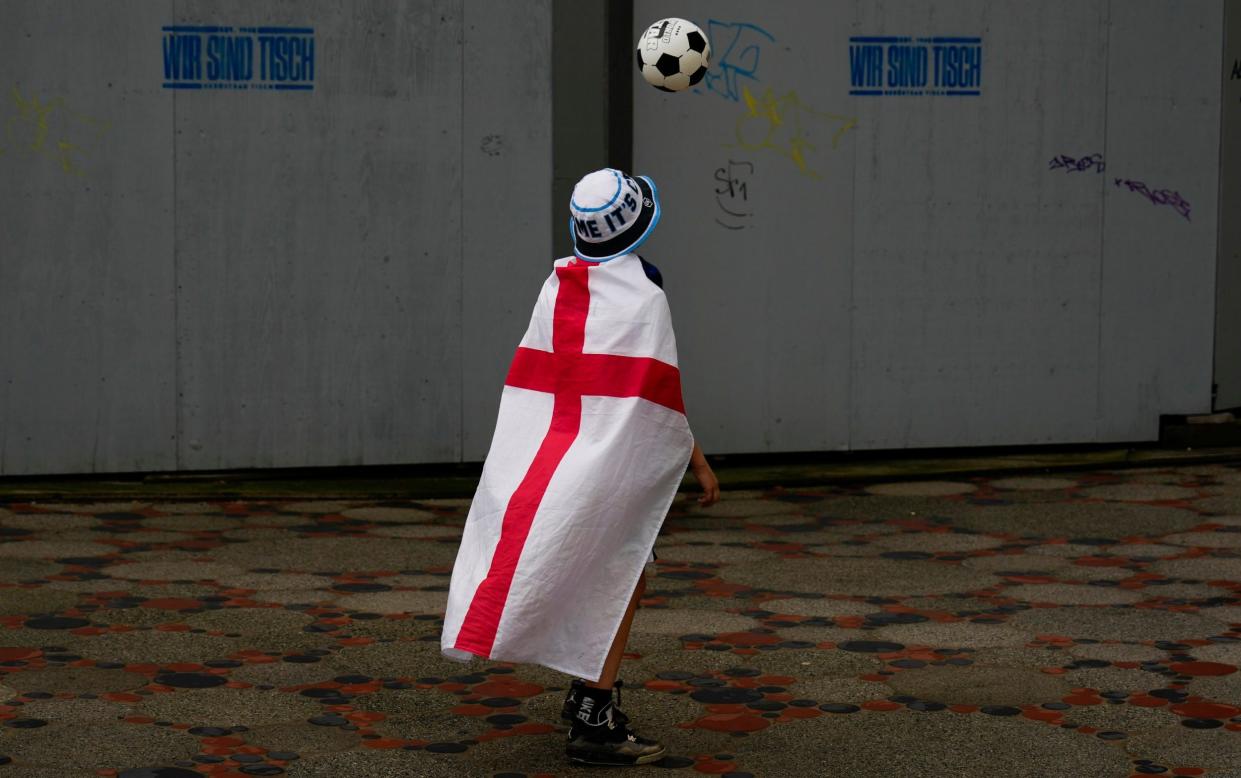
[
  {"x": 612, "y": 666},
  {"x": 600, "y": 733}
]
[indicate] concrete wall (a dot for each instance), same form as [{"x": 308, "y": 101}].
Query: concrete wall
[
  {"x": 1228, "y": 292},
  {"x": 210, "y": 278},
  {"x": 1034, "y": 263},
  {"x": 227, "y": 278}
]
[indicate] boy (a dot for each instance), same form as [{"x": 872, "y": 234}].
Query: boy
[{"x": 590, "y": 445}]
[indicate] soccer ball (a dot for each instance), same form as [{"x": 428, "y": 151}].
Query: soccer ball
[{"x": 673, "y": 54}]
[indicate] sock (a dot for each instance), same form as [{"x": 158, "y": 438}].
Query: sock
[{"x": 595, "y": 707}]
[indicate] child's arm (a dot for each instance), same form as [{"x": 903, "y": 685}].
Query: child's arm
[{"x": 705, "y": 477}]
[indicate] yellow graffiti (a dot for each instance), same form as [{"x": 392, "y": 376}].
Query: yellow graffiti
[
  {"x": 48, "y": 128},
  {"x": 787, "y": 126}
]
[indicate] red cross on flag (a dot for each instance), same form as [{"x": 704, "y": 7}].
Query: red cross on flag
[{"x": 590, "y": 446}]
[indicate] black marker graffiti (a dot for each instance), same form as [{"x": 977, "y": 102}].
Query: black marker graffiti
[
  {"x": 735, "y": 189},
  {"x": 1157, "y": 196},
  {"x": 1070, "y": 165}
]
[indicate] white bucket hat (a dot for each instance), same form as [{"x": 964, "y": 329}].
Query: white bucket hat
[{"x": 611, "y": 214}]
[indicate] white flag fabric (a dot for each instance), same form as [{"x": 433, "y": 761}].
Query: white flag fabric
[{"x": 590, "y": 446}]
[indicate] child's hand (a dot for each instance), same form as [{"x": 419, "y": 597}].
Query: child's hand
[{"x": 705, "y": 477}]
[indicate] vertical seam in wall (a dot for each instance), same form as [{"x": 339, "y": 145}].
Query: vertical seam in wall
[
  {"x": 176, "y": 292},
  {"x": 1219, "y": 204},
  {"x": 1107, "y": 72},
  {"x": 461, "y": 246},
  {"x": 618, "y": 79},
  {"x": 849, "y": 409}
]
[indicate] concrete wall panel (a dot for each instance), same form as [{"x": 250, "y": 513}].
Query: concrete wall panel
[
  {"x": 87, "y": 359},
  {"x": 928, "y": 269},
  {"x": 975, "y": 266},
  {"x": 233, "y": 278},
  {"x": 755, "y": 243},
  {"x": 506, "y": 250},
  {"x": 1159, "y": 258},
  {"x": 318, "y": 246}
]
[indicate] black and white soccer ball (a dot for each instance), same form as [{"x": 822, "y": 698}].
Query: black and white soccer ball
[{"x": 673, "y": 54}]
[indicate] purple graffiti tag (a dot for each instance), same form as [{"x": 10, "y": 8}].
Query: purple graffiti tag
[
  {"x": 1157, "y": 196},
  {"x": 736, "y": 47},
  {"x": 1070, "y": 165}
]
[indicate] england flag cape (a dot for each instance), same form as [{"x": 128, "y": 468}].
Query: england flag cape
[{"x": 590, "y": 446}]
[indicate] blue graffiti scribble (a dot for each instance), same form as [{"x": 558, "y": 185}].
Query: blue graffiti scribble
[{"x": 736, "y": 47}]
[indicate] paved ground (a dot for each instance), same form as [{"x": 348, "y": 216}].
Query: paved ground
[{"x": 1068, "y": 625}]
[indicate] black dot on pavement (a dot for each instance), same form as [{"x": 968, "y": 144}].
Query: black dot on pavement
[
  {"x": 362, "y": 587},
  {"x": 926, "y": 706},
  {"x": 158, "y": 772},
  {"x": 870, "y": 646},
  {"x": 742, "y": 672},
  {"x": 191, "y": 680},
  {"x": 766, "y": 705},
  {"x": 26, "y": 723},
  {"x": 908, "y": 663},
  {"x": 505, "y": 719},
  {"x": 673, "y": 762},
  {"x": 1202, "y": 723},
  {"x": 318, "y": 693},
  {"x": 726, "y": 696},
  {"x": 500, "y": 702},
  {"x": 1000, "y": 710},
  {"x": 837, "y": 707},
  {"x": 683, "y": 575},
  {"x": 328, "y": 720},
  {"x": 906, "y": 555},
  {"x": 446, "y": 748},
  {"x": 56, "y": 622}
]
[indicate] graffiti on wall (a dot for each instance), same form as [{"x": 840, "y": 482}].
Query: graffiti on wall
[
  {"x": 732, "y": 194},
  {"x": 1157, "y": 196},
  {"x": 789, "y": 127},
  {"x": 736, "y": 48},
  {"x": 1094, "y": 162},
  {"x": 1070, "y": 165},
  {"x": 34, "y": 126}
]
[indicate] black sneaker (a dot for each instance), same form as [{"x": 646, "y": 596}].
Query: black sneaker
[{"x": 600, "y": 734}]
